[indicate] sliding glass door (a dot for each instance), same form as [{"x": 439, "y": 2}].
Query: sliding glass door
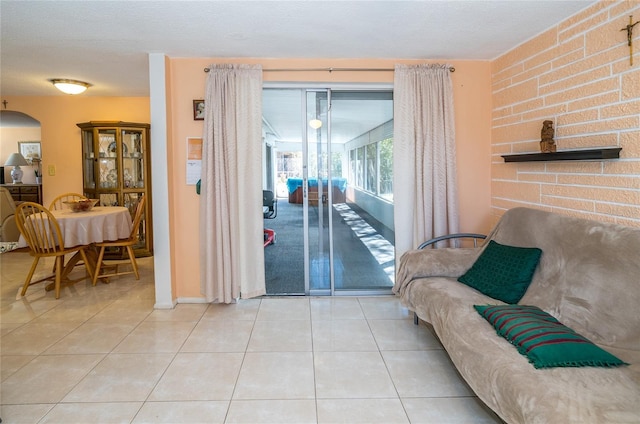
[
  {"x": 334, "y": 180},
  {"x": 362, "y": 157}
]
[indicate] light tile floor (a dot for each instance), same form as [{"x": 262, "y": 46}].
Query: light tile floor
[{"x": 103, "y": 354}]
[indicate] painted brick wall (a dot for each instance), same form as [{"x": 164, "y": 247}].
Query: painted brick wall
[{"x": 578, "y": 75}]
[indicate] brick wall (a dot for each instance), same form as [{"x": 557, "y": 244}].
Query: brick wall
[{"x": 578, "y": 75}]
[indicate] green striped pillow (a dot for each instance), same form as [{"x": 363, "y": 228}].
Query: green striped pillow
[{"x": 543, "y": 340}]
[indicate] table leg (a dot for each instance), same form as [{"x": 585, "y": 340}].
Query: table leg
[{"x": 68, "y": 267}]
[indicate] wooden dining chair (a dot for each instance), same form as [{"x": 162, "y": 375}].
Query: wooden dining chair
[
  {"x": 127, "y": 243},
  {"x": 58, "y": 202},
  {"x": 42, "y": 233}
]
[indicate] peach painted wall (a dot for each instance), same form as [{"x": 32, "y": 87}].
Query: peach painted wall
[
  {"x": 578, "y": 75},
  {"x": 472, "y": 97},
  {"x": 60, "y": 137}
]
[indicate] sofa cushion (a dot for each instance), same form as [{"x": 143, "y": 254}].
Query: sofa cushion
[
  {"x": 503, "y": 272},
  {"x": 544, "y": 340}
]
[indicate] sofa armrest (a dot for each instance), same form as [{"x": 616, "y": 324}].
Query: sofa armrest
[
  {"x": 9, "y": 229},
  {"x": 448, "y": 262},
  {"x": 456, "y": 236}
]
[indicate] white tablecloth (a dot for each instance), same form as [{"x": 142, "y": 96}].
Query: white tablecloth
[{"x": 97, "y": 225}]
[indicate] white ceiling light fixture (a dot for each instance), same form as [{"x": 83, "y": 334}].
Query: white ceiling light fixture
[
  {"x": 315, "y": 123},
  {"x": 69, "y": 86}
]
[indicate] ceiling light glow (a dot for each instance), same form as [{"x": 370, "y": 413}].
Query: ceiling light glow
[{"x": 69, "y": 86}]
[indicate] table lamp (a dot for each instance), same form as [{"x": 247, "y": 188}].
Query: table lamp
[{"x": 16, "y": 160}]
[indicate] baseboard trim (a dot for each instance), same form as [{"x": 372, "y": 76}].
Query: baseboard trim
[
  {"x": 165, "y": 305},
  {"x": 191, "y": 300}
]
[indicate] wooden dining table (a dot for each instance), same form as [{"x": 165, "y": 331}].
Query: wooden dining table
[{"x": 102, "y": 223}]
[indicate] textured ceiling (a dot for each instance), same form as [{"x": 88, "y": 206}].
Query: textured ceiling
[{"x": 107, "y": 43}]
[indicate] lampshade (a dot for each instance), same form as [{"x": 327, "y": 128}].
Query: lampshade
[
  {"x": 16, "y": 159},
  {"x": 69, "y": 86}
]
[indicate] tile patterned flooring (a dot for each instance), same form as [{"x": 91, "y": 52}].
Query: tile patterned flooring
[{"x": 103, "y": 354}]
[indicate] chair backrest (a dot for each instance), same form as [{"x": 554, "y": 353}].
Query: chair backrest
[
  {"x": 7, "y": 204},
  {"x": 268, "y": 199},
  {"x": 8, "y": 227},
  {"x": 39, "y": 228},
  {"x": 137, "y": 218},
  {"x": 58, "y": 202},
  {"x": 270, "y": 202}
]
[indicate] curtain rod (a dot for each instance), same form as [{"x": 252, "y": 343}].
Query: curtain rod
[{"x": 451, "y": 68}]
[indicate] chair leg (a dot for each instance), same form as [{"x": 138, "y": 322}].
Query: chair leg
[
  {"x": 134, "y": 264},
  {"x": 59, "y": 268},
  {"x": 96, "y": 272},
  {"x": 30, "y": 275}
]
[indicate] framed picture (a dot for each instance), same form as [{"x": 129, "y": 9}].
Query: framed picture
[
  {"x": 30, "y": 150},
  {"x": 198, "y": 110}
]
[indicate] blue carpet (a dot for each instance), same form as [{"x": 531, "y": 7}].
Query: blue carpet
[{"x": 363, "y": 249}]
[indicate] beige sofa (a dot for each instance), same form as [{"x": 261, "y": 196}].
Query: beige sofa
[
  {"x": 8, "y": 227},
  {"x": 588, "y": 278}
]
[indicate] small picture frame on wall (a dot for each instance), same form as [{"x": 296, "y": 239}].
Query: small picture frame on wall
[
  {"x": 31, "y": 150},
  {"x": 198, "y": 110}
]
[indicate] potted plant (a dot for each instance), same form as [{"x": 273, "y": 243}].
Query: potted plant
[{"x": 38, "y": 176}]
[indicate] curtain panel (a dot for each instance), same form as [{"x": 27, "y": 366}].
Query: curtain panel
[
  {"x": 424, "y": 154},
  {"x": 231, "y": 233}
]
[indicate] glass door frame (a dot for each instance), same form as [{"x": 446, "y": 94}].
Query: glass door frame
[
  {"x": 327, "y": 87},
  {"x": 325, "y": 140}
]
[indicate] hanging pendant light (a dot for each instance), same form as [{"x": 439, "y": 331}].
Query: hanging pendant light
[{"x": 69, "y": 86}]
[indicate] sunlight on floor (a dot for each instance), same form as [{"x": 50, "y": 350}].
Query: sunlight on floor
[{"x": 380, "y": 248}]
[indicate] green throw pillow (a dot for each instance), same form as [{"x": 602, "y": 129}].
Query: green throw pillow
[
  {"x": 545, "y": 341},
  {"x": 503, "y": 272}
]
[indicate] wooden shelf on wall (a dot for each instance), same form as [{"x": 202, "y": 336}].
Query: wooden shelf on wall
[{"x": 577, "y": 154}]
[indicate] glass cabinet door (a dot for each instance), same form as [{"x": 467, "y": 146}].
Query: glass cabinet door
[
  {"x": 108, "y": 148},
  {"x": 133, "y": 158},
  {"x": 89, "y": 154}
]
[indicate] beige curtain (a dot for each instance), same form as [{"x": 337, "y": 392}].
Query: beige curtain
[
  {"x": 424, "y": 155},
  {"x": 231, "y": 233}
]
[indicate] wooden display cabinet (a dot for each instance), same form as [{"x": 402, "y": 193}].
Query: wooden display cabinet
[{"x": 116, "y": 168}]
